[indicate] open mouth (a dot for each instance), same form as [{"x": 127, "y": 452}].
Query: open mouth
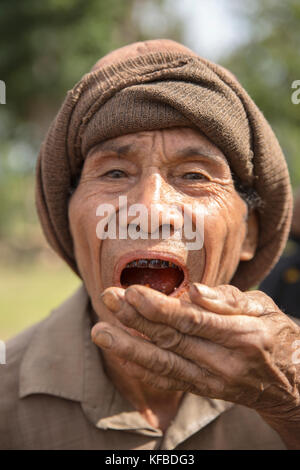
[{"x": 159, "y": 274}]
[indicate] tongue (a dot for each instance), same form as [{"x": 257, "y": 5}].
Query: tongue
[{"x": 163, "y": 280}]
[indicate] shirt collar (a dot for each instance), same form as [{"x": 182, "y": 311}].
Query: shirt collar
[
  {"x": 54, "y": 360},
  {"x": 62, "y": 360}
]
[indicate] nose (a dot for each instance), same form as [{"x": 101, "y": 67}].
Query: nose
[
  {"x": 152, "y": 189},
  {"x": 154, "y": 202}
]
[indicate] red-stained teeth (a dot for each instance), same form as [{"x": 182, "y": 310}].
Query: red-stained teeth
[
  {"x": 158, "y": 274},
  {"x": 156, "y": 264},
  {"x": 142, "y": 263},
  {"x": 134, "y": 264},
  {"x": 152, "y": 263}
]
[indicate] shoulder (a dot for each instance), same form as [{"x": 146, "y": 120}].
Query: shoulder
[
  {"x": 28, "y": 360},
  {"x": 15, "y": 349}
]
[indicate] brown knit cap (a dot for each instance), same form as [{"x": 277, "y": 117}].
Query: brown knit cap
[{"x": 159, "y": 84}]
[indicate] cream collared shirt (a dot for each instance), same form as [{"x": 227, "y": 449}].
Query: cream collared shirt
[{"x": 54, "y": 394}]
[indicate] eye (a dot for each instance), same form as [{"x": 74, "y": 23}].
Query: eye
[
  {"x": 194, "y": 176},
  {"x": 115, "y": 174}
]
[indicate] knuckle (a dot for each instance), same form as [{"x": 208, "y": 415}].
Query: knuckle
[
  {"x": 231, "y": 294},
  {"x": 267, "y": 340},
  {"x": 201, "y": 384},
  {"x": 130, "y": 352},
  {"x": 175, "y": 384},
  {"x": 132, "y": 369},
  {"x": 261, "y": 302},
  {"x": 165, "y": 337},
  {"x": 202, "y": 376},
  {"x": 258, "y": 344},
  {"x": 138, "y": 322},
  {"x": 190, "y": 322},
  {"x": 262, "y": 342},
  {"x": 235, "y": 298},
  {"x": 237, "y": 371},
  {"x": 251, "y": 347},
  {"x": 158, "y": 383},
  {"x": 169, "y": 364},
  {"x": 148, "y": 378},
  {"x": 165, "y": 383},
  {"x": 153, "y": 361},
  {"x": 161, "y": 362},
  {"x": 163, "y": 307},
  {"x": 127, "y": 316},
  {"x": 183, "y": 344},
  {"x": 218, "y": 387}
]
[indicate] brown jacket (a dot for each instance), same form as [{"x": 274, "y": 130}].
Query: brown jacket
[{"x": 54, "y": 394}]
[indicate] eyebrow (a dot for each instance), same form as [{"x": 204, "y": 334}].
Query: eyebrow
[
  {"x": 113, "y": 147},
  {"x": 198, "y": 151},
  {"x": 123, "y": 150}
]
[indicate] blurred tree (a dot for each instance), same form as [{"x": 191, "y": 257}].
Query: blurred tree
[
  {"x": 267, "y": 65},
  {"x": 46, "y": 47}
]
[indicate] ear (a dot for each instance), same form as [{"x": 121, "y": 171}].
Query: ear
[{"x": 251, "y": 238}]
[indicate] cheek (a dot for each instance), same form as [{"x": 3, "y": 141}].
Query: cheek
[
  {"x": 224, "y": 215},
  {"x": 224, "y": 233},
  {"x": 83, "y": 223},
  {"x": 87, "y": 248}
]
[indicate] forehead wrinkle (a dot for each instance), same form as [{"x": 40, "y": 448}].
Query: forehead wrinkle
[
  {"x": 115, "y": 147},
  {"x": 199, "y": 151},
  {"x": 163, "y": 144},
  {"x": 158, "y": 145}
]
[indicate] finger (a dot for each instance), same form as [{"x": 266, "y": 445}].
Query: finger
[
  {"x": 157, "y": 381},
  {"x": 113, "y": 298},
  {"x": 214, "y": 389},
  {"x": 188, "y": 318},
  {"x": 149, "y": 356},
  {"x": 226, "y": 300},
  {"x": 215, "y": 357}
]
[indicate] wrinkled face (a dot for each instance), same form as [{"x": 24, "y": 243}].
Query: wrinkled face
[{"x": 178, "y": 168}]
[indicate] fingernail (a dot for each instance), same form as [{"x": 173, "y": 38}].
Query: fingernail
[
  {"x": 104, "y": 339},
  {"x": 111, "y": 300},
  {"x": 205, "y": 291}
]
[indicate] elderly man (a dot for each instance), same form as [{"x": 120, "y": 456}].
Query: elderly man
[{"x": 164, "y": 346}]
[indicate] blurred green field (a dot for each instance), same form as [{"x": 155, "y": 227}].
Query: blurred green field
[{"x": 29, "y": 292}]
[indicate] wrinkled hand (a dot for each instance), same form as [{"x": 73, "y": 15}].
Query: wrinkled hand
[{"x": 226, "y": 344}]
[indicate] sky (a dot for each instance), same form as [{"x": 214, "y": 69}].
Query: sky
[{"x": 213, "y": 28}]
